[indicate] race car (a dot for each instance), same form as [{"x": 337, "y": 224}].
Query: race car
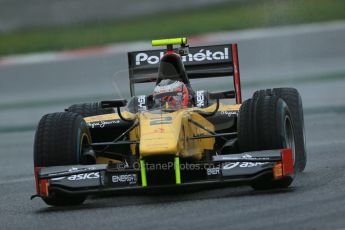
[{"x": 174, "y": 137}]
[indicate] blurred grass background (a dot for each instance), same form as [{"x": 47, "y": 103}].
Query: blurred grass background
[{"x": 229, "y": 16}]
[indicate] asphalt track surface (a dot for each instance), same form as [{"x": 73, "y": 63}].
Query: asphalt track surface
[{"x": 313, "y": 63}]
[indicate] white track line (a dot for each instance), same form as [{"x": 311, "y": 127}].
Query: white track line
[{"x": 230, "y": 36}]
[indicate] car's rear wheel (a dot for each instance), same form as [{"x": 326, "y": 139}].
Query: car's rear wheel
[
  {"x": 246, "y": 126},
  {"x": 60, "y": 140},
  {"x": 269, "y": 126},
  {"x": 294, "y": 101},
  {"x": 89, "y": 109}
]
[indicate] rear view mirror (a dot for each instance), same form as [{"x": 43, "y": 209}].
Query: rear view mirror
[
  {"x": 114, "y": 103},
  {"x": 222, "y": 95}
]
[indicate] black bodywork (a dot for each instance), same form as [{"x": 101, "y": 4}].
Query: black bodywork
[{"x": 90, "y": 179}]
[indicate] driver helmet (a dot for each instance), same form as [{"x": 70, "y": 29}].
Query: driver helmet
[{"x": 171, "y": 94}]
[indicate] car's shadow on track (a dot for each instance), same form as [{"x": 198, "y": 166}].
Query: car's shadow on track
[{"x": 154, "y": 198}]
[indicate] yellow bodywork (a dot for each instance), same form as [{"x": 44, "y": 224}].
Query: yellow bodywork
[
  {"x": 170, "y": 133},
  {"x": 107, "y": 117}
]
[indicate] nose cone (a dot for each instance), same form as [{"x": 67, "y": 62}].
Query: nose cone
[{"x": 159, "y": 134}]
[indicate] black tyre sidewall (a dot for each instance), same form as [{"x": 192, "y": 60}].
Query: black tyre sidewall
[
  {"x": 59, "y": 141},
  {"x": 244, "y": 127},
  {"x": 272, "y": 112},
  {"x": 294, "y": 101},
  {"x": 89, "y": 109}
]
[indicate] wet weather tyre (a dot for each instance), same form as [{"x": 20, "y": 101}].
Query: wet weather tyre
[
  {"x": 59, "y": 140},
  {"x": 294, "y": 101},
  {"x": 246, "y": 134},
  {"x": 89, "y": 109},
  {"x": 275, "y": 130}
]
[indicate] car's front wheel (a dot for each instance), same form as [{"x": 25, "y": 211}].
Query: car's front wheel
[
  {"x": 294, "y": 101},
  {"x": 269, "y": 125},
  {"x": 60, "y": 140}
]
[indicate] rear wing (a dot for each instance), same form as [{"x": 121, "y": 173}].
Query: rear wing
[{"x": 201, "y": 62}]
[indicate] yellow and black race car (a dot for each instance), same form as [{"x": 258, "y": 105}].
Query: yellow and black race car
[{"x": 177, "y": 136}]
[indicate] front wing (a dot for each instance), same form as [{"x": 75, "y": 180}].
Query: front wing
[{"x": 241, "y": 168}]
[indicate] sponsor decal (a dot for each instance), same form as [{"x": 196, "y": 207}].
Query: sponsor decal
[
  {"x": 202, "y": 55},
  {"x": 213, "y": 171},
  {"x": 73, "y": 169},
  {"x": 228, "y": 113},
  {"x": 81, "y": 169},
  {"x": 84, "y": 176},
  {"x": 200, "y": 98},
  {"x": 102, "y": 124},
  {"x": 246, "y": 156},
  {"x": 57, "y": 173},
  {"x": 251, "y": 164},
  {"x": 142, "y": 102},
  {"x": 124, "y": 178},
  {"x": 143, "y": 57},
  {"x": 231, "y": 158},
  {"x": 161, "y": 121},
  {"x": 232, "y": 165},
  {"x": 58, "y": 178},
  {"x": 177, "y": 86}
]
